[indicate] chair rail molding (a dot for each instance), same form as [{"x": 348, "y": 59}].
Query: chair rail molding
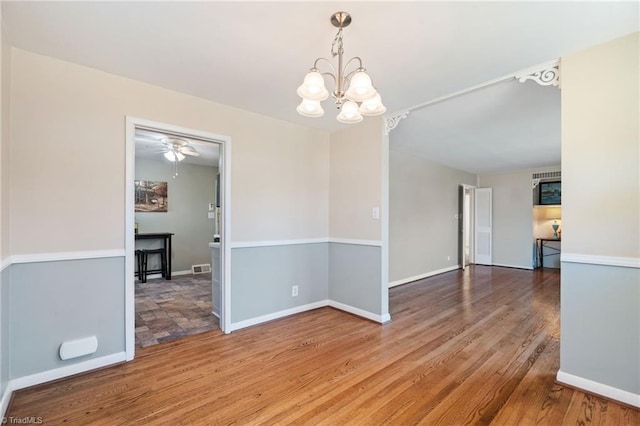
[
  {"x": 544, "y": 75},
  {"x": 391, "y": 122}
]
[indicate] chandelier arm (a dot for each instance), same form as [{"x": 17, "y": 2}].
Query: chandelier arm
[
  {"x": 315, "y": 64},
  {"x": 355, "y": 58},
  {"x": 332, "y": 75}
]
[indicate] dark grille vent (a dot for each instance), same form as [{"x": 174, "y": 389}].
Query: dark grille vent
[{"x": 547, "y": 175}]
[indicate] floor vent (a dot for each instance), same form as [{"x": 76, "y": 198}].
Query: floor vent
[{"x": 200, "y": 269}]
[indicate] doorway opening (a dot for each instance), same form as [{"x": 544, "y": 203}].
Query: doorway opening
[
  {"x": 466, "y": 225},
  {"x": 177, "y": 228}
]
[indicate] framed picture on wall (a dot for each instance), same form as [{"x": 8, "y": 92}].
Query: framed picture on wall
[
  {"x": 550, "y": 193},
  {"x": 151, "y": 196}
]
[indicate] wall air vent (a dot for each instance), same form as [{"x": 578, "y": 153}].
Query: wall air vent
[
  {"x": 200, "y": 269},
  {"x": 547, "y": 175}
]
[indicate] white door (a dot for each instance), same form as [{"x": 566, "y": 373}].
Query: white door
[{"x": 482, "y": 240}]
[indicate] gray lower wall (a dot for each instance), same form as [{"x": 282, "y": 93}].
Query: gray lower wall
[
  {"x": 262, "y": 278},
  {"x": 4, "y": 329},
  {"x": 600, "y": 313},
  {"x": 355, "y": 276},
  {"x": 52, "y": 302}
]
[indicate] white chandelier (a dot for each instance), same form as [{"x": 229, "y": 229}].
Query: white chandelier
[{"x": 354, "y": 93}]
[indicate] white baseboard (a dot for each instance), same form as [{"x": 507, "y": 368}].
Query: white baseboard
[
  {"x": 55, "y": 374},
  {"x": 277, "y": 315},
  {"x": 360, "y": 312},
  {"x": 530, "y": 268},
  {"x": 6, "y": 398},
  {"x": 308, "y": 307},
  {"x": 599, "y": 388},
  {"x": 423, "y": 276},
  {"x": 66, "y": 371}
]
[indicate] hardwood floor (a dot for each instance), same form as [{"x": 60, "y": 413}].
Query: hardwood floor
[{"x": 474, "y": 347}]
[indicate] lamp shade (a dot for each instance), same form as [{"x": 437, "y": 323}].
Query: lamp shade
[
  {"x": 360, "y": 88},
  {"x": 372, "y": 107},
  {"x": 313, "y": 87},
  {"x": 553, "y": 213},
  {"x": 350, "y": 113},
  {"x": 310, "y": 108}
]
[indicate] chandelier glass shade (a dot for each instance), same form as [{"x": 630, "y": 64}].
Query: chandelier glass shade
[{"x": 354, "y": 93}]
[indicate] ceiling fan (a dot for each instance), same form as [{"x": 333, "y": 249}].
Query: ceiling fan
[{"x": 175, "y": 149}]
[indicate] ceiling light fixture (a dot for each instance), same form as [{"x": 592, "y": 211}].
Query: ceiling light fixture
[{"x": 354, "y": 93}]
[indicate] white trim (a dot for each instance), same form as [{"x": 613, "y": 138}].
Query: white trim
[
  {"x": 530, "y": 268},
  {"x": 423, "y": 276},
  {"x": 273, "y": 243},
  {"x": 599, "y": 388},
  {"x": 179, "y": 273},
  {"x": 62, "y": 256},
  {"x": 55, "y": 374},
  {"x": 270, "y": 243},
  {"x": 375, "y": 243},
  {"x": 590, "y": 259},
  {"x": 488, "y": 83},
  {"x": 6, "y": 398},
  {"x": 6, "y": 262},
  {"x": 131, "y": 123},
  {"x": 360, "y": 312},
  {"x": 308, "y": 307},
  {"x": 276, "y": 315},
  {"x": 66, "y": 371}
]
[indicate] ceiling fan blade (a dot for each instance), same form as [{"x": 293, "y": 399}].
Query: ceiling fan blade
[{"x": 191, "y": 153}]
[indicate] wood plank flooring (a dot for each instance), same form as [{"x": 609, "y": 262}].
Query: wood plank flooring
[{"x": 475, "y": 347}]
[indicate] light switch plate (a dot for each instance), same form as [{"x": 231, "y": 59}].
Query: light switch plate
[{"x": 375, "y": 213}]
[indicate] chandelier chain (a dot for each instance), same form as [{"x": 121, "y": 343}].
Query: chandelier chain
[{"x": 337, "y": 41}]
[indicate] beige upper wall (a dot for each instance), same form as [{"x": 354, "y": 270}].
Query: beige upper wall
[
  {"x": 423, "y": 203},
  {"x": 5, "y": 77},
  {"x": 601, "y": 161},
  {"x": 356, "y": 181},
  {"x": 68, "y": 159}
]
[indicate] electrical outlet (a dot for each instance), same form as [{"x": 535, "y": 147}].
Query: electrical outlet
[
  {"x": 294, "y": 291},
  {"x": 448, "y": 257}
]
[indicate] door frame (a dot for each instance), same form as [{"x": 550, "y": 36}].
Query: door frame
[
  {"x": 132, "y": 123},
  {"x": 462, "y": 231}
]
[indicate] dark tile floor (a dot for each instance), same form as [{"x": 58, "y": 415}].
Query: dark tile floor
[{"x": 168, "y": 310}]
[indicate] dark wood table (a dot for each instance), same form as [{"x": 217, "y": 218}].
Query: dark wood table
[
  {"x": 540, "y": 242},
  {"x": 166, "y": 238}
]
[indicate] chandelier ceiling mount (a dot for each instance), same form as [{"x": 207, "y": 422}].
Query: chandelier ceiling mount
[{"x": 354, "y": 93}]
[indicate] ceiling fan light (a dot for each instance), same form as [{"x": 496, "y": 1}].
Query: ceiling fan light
[
  {"x": 169, "y": 155},
  {"x": 372, "y": 107},
  {"x": 313, "y": 87},
  {"x": 349, "y": 113},
  {"x": 310, "y": 108},
  {"x": 360, "y": 88},
  {"x": 179, "y": 156}
]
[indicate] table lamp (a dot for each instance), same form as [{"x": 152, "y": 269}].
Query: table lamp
[{"x": 555, "y": 214}]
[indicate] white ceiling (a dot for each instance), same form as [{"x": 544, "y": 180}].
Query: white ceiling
[
  {"x": 253, "y": 55},
  {"x": 148, "y": 145}
]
